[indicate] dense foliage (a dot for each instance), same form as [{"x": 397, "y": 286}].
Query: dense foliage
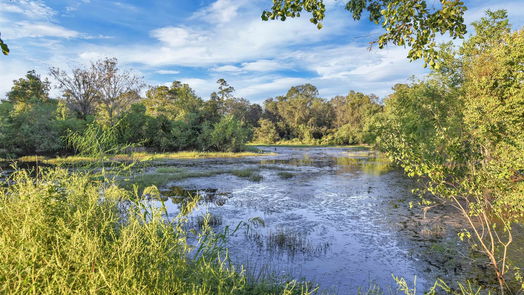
[
  {"x": 461, "y": 132},
  {"x": 103, "y": 99},
  {"x": 303, "y": 117}
]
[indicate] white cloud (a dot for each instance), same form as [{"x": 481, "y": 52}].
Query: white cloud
[
  {"x": 40, "y": 29},
  {"x": 178, "y": 37},
  {"x": 280, "y": 85},
  {"x": 264, "y": 65},
  {"x": 167, "y": 72},
  {"x": 227, "y": 68},
  {"x": 227, "y": 39},
  {"x": 31, "y": 9},
  {"x": 220, "y": 12}
]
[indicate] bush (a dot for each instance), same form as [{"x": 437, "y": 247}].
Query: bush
[
  {"x": 30, "y": 128},
  {"x": 228, "y": 135}
]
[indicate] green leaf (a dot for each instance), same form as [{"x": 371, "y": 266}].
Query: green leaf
[{"x": 5, "y": 49}]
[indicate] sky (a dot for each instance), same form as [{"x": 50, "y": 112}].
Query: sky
[{"x": 199, "y": 41}]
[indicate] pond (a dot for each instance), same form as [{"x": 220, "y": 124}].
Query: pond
[{"x": 339, "y": 217}]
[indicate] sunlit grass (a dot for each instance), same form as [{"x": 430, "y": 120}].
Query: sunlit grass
[
  {"x": 292, "y": 144},
  {"x": 140, "y": 157}
]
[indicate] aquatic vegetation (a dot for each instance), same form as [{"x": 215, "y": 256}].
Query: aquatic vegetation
[
  {"x": 169, "y": 170},
  {"x": 285, "y": 175},
  {"x": 144, "y": 180},
  {"x": 165, "y": 175},
  {"x": 249, "y": 173},
  {"x": 208, "y": 219},
  {"x": 294, "y": 242}
]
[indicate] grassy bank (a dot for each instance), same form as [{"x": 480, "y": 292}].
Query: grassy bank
[
  {"x": 138, "y": 157},
  {"x": 65, "y": 233},
  {"x": 163, "y": 175},
  {"x": 302, "y": 145}
]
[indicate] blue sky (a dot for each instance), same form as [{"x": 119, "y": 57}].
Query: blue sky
[{"x": 199, "y": 41}]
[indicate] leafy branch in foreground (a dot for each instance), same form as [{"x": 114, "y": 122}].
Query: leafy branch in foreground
[
  {"x": 406, "y": 22},
  {"x": 3, "y": 45}
]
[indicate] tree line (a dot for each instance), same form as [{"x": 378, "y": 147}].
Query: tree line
[{"x": 106, "y": 98}]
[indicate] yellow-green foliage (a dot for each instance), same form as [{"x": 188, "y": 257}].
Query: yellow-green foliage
[
  {"x": 68, "y": 234},
  {"x": 495, "y": 116}
]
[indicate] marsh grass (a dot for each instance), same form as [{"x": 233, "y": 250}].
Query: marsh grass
[
  {"x": 136, "y": 157},
  {"x": 249, "y": 173},
  {"x": 294, "y": 242},
  {"x": 208, "y": 219},
  {"x": 145, "y": 157},
  {"x": 66, "y": 233},
  {"x": 285, "y": 175},
  {"x": 169, "y": 170},
  {"x": 297, "y": 144},
  {"x": 283, "y": 240}
]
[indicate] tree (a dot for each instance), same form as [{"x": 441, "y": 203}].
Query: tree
[
  {"x": 300, "y": 113},
  {"x": 494, "y": 116},
  {"x": 178, "y": 102},
  {"x": 215, "y": 108},
  {"x": 78, "y": 89},
  {"x": 465, "y": 140},
  {"x": 266, "y": 133},
  {"x": 117, "y": 89},
  {"x": 28, "y": 129},
  {"x": 406, "y": 22},
  {"x": 254, "y": 114},
  {"x": 225, "y": 90},
  {"x": 30, "y": 88}
]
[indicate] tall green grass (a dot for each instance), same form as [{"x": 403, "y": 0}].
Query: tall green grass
[{"x": 65, "y": 233}]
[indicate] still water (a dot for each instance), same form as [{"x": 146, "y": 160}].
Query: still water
[{"x": 339, "y": 217}]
